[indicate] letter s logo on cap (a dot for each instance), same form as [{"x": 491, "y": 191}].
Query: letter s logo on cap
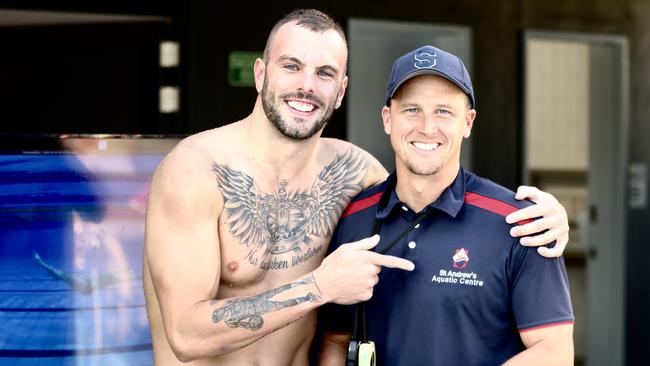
[{"x": 425, "y": 60}]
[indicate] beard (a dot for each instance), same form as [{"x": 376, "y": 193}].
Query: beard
[
  {"x": 270, "y": 109},
  {"x": 411, "y": 164},
  {"x": 422, "y": 171}
]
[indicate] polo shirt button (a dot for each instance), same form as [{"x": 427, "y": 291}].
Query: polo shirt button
[
  {"x": 404, "y": 208},
  {"x": 416, "y": 226},
  {"x": 412, "y": 244}
]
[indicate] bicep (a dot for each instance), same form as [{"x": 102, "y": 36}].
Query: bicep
[
  {"x": 557, "y": 339},
  {"x": 182, "y": 246}
]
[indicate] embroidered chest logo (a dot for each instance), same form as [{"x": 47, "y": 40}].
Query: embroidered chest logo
[
  {"x": 460, "y": 258},
  {"x": 456, "y": 276}
]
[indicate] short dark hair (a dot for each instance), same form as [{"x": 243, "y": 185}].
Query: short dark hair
[{"x": 312, "y": 19}]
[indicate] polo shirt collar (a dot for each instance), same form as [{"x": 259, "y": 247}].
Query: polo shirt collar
[{"x": 450, "y": 201}]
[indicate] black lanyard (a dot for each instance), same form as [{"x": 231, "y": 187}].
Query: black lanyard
[
  {"x": 360, "y": 325},
  {"x": 377, "y": 227}
]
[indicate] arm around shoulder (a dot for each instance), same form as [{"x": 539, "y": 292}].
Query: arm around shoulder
[
  {"x": 552, "y": 225},
  {"x": 375, "y": 171}
]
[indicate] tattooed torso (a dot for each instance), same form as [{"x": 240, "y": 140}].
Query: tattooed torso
[
  {"x": 285, "y": 230},
  {"x": 272, "y": 231}
]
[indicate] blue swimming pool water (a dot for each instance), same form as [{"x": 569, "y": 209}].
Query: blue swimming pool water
[{"x": 71, "y": 242}]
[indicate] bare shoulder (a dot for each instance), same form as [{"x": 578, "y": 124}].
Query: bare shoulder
[
  {"x": 184, "y": 177},
  {"x": 373, "y": 171},
  {"x": 195, "y": 154},
  {"x": 188, "y": 160}
]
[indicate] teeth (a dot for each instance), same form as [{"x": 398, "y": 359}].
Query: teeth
[
  {"x": 426, "y": 147},
  {"x": 303, "y": 107}
]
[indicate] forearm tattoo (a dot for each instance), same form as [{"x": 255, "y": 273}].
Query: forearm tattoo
[
  {"x": 246, "y": 312},
  {"x": 282, "y": 221}
]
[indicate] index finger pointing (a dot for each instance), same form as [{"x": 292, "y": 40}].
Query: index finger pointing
[
  {"x": 391, "y": 261},
  {"x": 365, "y": 244}
]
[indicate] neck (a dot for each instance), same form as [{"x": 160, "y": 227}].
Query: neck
[{"x": 418, "y": 191}]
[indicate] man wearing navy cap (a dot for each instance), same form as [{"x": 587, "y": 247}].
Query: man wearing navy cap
[{"x": 475, "y": 297}]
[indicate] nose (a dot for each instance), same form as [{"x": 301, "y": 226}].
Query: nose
[
  {"x": 429, "y": 126},
  {"x": 307, "y": 82}
]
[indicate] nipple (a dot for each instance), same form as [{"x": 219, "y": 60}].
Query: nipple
[{"x": 232, "y": 266}]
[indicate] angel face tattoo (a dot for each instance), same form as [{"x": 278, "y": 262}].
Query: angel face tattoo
[{"x": 280, "y": 222}]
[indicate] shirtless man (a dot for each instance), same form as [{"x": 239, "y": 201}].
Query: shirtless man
[{"x": 239, "y": 217}]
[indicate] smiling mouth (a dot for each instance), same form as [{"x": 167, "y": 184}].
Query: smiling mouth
[
  {"x": 425, "y": 146},
  {"x": 301, "y": 106}
]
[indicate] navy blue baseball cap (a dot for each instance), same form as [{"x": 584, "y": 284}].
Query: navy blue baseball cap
[{"x": 429, "y": 60}]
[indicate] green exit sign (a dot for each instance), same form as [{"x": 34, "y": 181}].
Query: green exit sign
[{"x": 240, "y": 68}]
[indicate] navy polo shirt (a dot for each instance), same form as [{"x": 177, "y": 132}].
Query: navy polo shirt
[{"x": 474, "y": 287}]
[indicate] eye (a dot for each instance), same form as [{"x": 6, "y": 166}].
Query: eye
[
  {"x": 443, "y": 111},
  {"x": 325, "y": 73},
  {"x": 291, "y": 67},
  {"x": 411, "y": 110}
]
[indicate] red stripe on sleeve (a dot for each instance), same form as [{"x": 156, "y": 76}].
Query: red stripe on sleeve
[
  {"x": 546, "y": 326},
  {"x": 492, "y": 205},
  {"x": 361, "y": 204}
]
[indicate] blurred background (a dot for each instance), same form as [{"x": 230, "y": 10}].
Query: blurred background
[{"x": 562, "y": 89}]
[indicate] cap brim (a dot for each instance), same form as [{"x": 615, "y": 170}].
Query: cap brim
[{"x": 424, "y": 72}]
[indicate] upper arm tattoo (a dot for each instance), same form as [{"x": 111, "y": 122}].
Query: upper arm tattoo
[{"x": 280, "y": 221}]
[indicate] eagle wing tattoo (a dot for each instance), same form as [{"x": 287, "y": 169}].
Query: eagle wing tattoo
[
  {"x": 245, "y": 208},
  {"x": 337, "y": 183},
  {"x": 281, "y": 221}
]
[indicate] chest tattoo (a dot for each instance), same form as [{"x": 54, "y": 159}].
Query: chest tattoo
[{"x": 285, "y": 221}]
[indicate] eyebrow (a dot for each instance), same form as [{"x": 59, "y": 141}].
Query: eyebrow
[
  {"x": 442, "y": 105},
  {"x": 289, "y": 58},
  {"x": 408, "y": 105}
]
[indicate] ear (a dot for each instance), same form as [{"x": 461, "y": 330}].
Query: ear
[
  {"x": 259, "y": 70},
  {"x": 385, "y": 116},
  {"x": 469, "y": 122},
  {"x": 339, "y": 97}
]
